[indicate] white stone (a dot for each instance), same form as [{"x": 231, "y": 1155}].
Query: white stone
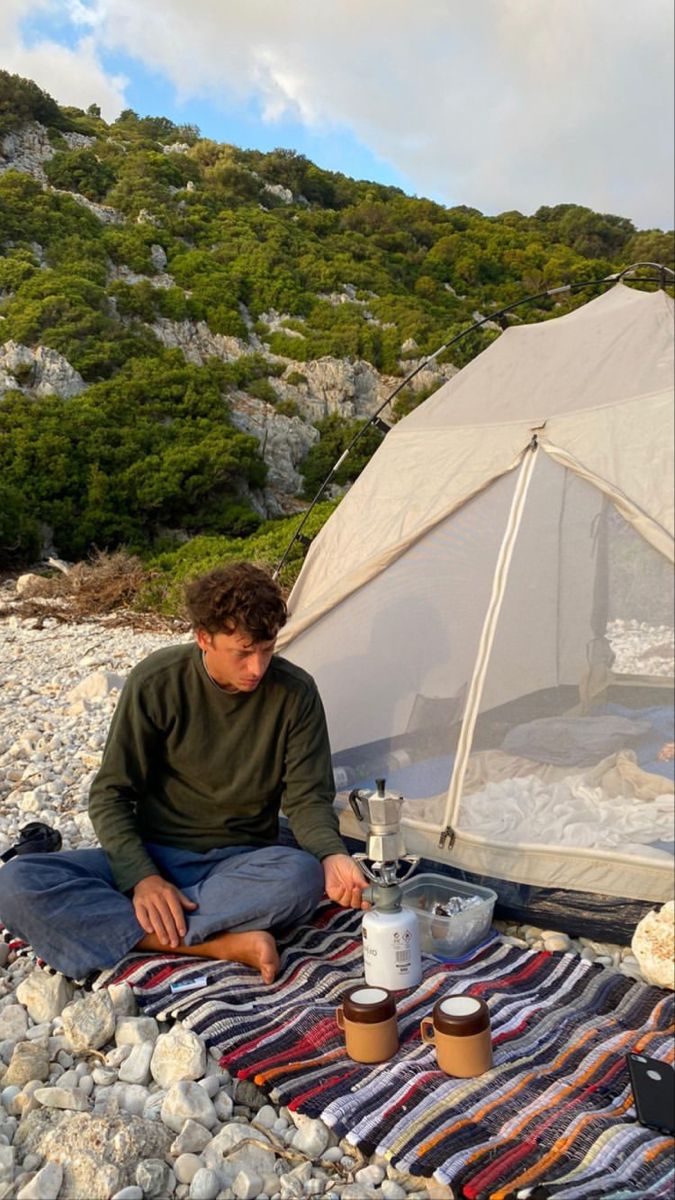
[
  {"x": 192, "y": 1139},
  {"x": 13, "y": 1022},
  {"x": 132, "y": 1192},
  {"x": 178, "y": 1055},
  {"x": 222, "y": 1150},
  {"x": 184, "y": 1101},
  {"x": 7, "y": 1162},
  {"x": 132, "y": 1031},
  {"x": 69, "y": 1079},
  {"x": 30, "y": 1060},
  {"x": 42, "y": 372},
  {"x": 115, "y": 1058},
  {"x": 45, "y": 1185},
  {"x": 247, "y": 1185},
  {"x": 95, "y": 686},
  {"x": 103, "y": 1076},
  {"x": 205, "y": 1184},
  {"x": 653, "y": 945},
  {"x": 25, "y": 584},
  {"x": 186, "y": 1167},
  {"x": 58, "y": 1097},
  {"x": 312, "y": 1138},
  {"x": 556, "y": 941},
  {"x": 392, "y": 1191},
  {"x": 123, "y": 1000},
  {"x": 39, "y": 1033},
  {"x": 90, "y": 1022},
  {"x": 370, "y": 1176},
  {"x": 131, "y": 1097},
  {"x": 332, "y": 1154},
  {"x": 152, "y": 1109},
  {"x": 266, "y": 1116},
  {"x": 152, "y": 1175},
  {"x": 136, "y": 1067},
  {"x": 224, "y": 1106},
  {"x": 44, "y": 995}
]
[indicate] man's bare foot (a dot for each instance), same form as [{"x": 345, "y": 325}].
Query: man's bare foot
[{"x": 254, "y": 948}]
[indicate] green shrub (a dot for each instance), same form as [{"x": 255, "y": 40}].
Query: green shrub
[
  {"x": 171, "y": 569},
  {"x": 287, "y": 408},
  {"x": 80, "y": 171},
  {"x": 262, "y": 390},
  {"x": 336, "y": 434}
]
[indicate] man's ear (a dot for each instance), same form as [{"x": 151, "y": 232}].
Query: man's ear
[{"x": 203, "y": 639}]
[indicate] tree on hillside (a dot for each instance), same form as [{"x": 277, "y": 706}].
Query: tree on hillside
[{"x": 21, "y": 101}]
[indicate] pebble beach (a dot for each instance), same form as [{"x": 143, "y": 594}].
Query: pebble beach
[{"x": 96, "y": 1100}]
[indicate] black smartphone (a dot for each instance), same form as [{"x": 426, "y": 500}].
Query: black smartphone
[{"x": 653, "y": 1084}]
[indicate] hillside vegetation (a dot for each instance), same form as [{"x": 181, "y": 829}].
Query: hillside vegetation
[{"x": 295, "y": 262}]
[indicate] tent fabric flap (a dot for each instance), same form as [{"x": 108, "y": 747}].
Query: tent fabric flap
[
  {"x": 437, "y": 473},
  {"x": 616, "y": 449}
]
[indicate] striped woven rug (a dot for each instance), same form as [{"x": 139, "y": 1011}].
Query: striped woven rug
[{"x": 554, "y": 1117}]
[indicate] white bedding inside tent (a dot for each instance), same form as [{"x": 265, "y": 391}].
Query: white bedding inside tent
[
  {"x": 615, "y": 804},
  {"x": 570, "y": 813}
]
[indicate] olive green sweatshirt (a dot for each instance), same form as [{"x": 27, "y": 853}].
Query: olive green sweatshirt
[{"x": 188, "y": 764}]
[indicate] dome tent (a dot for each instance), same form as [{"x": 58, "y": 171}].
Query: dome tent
[{"x": 488, "y": 614}]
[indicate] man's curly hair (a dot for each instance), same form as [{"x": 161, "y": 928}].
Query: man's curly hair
[{"x": 237, "y": 597}]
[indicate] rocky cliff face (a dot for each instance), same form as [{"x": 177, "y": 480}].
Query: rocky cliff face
[
  {"x": 37, "y": 372},
  {"x": 284, "y": 442},
  {"x": 196, "y": 341},
  {"x": 327, "y": 385},
  {"x": 27, "y": 150}
]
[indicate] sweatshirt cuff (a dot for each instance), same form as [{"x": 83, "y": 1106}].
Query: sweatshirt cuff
[
  {"x": 128, "y": 873},
  {"x": 332, "y": 845}
]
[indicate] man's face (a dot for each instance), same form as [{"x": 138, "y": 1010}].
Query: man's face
[{"x": 235, "y": 660}]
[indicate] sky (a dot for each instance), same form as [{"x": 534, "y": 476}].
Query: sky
[{"x": 497, "y": 104}]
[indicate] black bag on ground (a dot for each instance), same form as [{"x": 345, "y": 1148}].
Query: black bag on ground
[{"x": 35, "y": 838}]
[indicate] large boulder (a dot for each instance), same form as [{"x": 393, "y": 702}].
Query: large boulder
[{"x": 99, "y": 1155}]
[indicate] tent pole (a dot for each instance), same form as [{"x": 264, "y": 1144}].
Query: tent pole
[{"x": 486, "y": 642}]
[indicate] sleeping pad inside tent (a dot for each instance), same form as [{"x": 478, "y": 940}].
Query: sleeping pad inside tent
[{"x": 489, "y": 617}]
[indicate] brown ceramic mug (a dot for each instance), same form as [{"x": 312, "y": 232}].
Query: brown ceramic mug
[
  {"x": 367, "y": 1017},
  {"x": 459, "y": 1026}
]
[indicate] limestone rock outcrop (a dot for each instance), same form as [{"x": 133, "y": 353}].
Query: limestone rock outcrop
[
  {"x": 350, "y": 389},
  {"x": 27, "y": 150},
  {"x": 284, "y": 441},
  {"x": 38, "y": 372},
  {"x": 197, "y": 342},
  {"x": 105, "y": 214}
]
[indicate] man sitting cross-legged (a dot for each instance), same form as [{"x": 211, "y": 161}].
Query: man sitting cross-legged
[{"x": 207, "y": 740}]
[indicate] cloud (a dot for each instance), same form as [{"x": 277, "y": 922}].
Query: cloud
[
  {"x": 71, "y": 75},
  {"x": 495, "y": 103}
]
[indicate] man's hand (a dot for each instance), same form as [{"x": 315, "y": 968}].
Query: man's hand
[
  {"x": 159, "y": 906},
  {"x": 344, "y": 881}
]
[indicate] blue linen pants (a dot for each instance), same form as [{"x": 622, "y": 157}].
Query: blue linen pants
[{"x": 67, "y": 906}]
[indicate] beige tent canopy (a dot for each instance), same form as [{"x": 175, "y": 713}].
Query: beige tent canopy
[{"x": 489, "y": 612}]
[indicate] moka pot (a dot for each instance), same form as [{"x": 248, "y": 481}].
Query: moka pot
[{"x": 391, "y": 939}]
